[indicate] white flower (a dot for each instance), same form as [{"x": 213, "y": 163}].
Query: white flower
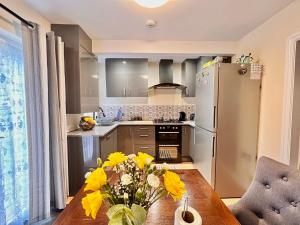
[
  {"x": 125, "y": 196},
  {"x": 126, "y": 179},
  {"x": 153, "y": 180},
  {"x": 165, "y": 166},
  {"x": 87, "y": 174},
  {"x": 131, "y": 156},
  {"x": 122, "y": 167}
]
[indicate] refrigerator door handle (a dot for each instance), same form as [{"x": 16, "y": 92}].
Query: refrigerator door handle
[
  {"x": 214, "y": 119},
  {"x": 213, "y": 147}
]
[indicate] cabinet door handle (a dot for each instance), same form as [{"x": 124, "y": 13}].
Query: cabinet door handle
[
  {"x": 124, "y": 91},
  {"x": 144, "y": 147},
  {"x": 144, "y": 135},
  {"x": 144, "y": 128}
]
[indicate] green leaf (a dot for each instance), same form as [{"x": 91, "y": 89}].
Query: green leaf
[
  {"x": 120, "y": 215},
  {"x": 139, "y": 214},
  {"x": 116, "y": 220},
  {"x": 117, "y": 209}
]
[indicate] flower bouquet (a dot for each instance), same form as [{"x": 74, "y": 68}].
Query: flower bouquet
[{"x": 134, "y": 185}]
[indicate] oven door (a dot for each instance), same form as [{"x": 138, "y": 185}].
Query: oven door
[
  {"x": 168, "y": 137},
  {"x": 168, "y": 146}
]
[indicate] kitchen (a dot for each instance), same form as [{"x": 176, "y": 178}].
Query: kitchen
[
  {"x": 110, "y": 107},
  {"x": 149, "y": 103}
]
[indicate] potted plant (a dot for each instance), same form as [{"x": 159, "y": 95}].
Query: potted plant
[{"x": 134, "y": 185}]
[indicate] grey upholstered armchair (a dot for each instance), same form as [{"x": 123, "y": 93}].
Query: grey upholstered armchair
[{"x": 273, "y": 198}]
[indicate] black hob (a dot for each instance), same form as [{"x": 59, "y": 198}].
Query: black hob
[{"x": 163, "y": 121}]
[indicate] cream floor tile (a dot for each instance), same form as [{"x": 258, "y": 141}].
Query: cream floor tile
[{"x": 230, "y": 201}]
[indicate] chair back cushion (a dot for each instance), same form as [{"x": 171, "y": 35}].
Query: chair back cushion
[{"x": 273, "y": 197}]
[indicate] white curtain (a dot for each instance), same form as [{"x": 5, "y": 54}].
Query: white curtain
[
  {"x": 57, "y": 121},
  {"x": 46, "y": 119},
  {"x": 36, "y": 83},
  {"x": 63, "y": 113}
]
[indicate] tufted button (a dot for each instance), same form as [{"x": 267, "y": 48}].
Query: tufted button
[
  {"x": 267, "y": 186},
  {"x": 294, "y": 204},
  {"x": 259, "y": 215},
  {"x": 276, "y": 211},
  {"x": 285, "y": 179}
]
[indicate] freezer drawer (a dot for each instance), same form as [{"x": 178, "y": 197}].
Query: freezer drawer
[{"x": 204, "y": 152}]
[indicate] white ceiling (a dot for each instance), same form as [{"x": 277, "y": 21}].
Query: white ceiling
[{"x": 186, "y": 20}]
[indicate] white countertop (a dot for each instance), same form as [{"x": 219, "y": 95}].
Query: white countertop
[{"x": 101, "y": 131}]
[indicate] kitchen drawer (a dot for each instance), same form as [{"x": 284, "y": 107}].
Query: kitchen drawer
[
  {"x": 149, "y": 149},
  {"x": 144, "y": 138},
  {"x": 144, "y": 129}
]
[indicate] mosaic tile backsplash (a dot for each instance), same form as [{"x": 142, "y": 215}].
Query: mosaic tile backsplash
[{"x": 149, "y": 112}]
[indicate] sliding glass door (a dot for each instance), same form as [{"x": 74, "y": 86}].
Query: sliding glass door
[{"x": 14, "y": 165}]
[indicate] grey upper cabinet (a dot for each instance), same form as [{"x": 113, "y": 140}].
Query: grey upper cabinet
[
  {"x": 81, "y": 69},
  {"x": 189, "y": 71},
  {"x": 126, "y": 77}
]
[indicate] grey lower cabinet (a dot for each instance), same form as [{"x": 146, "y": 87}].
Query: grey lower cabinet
[
  {"x": 134, "y": 139},
  {"x": 186, "y": 134},
  {"x": 82, "y": 155},
  {"x": 125, "y": 140},
  {"x": 144, "y": 139},
  {"x": 108, "y": 144}
]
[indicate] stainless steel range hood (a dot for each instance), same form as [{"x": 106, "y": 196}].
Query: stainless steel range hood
[{"x": 166, "y": 76}]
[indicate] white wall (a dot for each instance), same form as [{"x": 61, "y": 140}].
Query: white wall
[
  {"x": 164, "y": 47},
  {"x": 268, "y": 44}
]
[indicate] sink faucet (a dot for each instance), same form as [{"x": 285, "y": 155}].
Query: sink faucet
[{"x": 100, "y": 109}]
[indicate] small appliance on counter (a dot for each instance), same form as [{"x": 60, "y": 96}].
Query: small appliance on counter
[
  {"x": 182, "y": 116},
  {"x": 192, "y": 117}
]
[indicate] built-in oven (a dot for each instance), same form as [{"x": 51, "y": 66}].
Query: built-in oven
[{"x": 168, "y": 143}]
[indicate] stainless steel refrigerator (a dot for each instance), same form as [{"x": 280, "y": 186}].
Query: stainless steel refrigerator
[{"x": 226, "y": 132}]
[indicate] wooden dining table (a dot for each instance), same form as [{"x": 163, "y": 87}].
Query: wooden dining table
[{"x": 201, "y": 197}]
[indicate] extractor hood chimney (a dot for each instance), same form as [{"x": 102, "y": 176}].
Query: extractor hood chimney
[{"x": 166, "y": 76}]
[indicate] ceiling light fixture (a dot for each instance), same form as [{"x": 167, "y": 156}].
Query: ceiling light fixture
[
  {"x": 151, "y": 3},
  {"x": 151, "y": 23}
]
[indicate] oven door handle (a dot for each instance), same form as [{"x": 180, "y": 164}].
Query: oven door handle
[
  {"x": 168, "y": 132},
  {"x": 168, "y": 145}
]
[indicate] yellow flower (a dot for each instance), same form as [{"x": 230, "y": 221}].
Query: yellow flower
[
  {"x": 92, "y": 203},
  {"x": 115, "y": 159},
  {"x": 96, "y": 180},
  {"x": 143, "y": 159},
  {"x": 174, "y": 185}
]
